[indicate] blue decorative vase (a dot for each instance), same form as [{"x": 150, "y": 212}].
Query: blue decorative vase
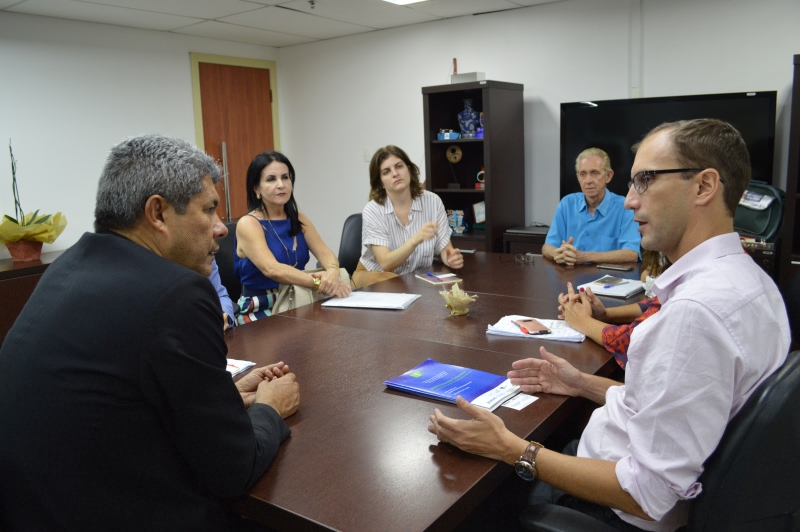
[{"x": 468, "y": 120}]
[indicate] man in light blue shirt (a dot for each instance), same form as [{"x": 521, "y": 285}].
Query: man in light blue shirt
[
  {"x": 224, "y": 299},
  {"x": 592, "y": 225}
]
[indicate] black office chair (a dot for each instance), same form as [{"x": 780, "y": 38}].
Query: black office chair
[
  {"x": 751, "y": 482},
  {"x": 350, "y": 244},
  {"x": 224, "y": 259},
  {"x": 791, "y": 297}
]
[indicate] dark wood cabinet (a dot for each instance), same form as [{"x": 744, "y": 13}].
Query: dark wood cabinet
[
  {"x": 531, "y": 242},
  {"x": 790, "y": 232},
  {"x": 501, "y": 155}
]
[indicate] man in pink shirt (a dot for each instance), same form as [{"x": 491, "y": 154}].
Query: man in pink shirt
[{"x": 690, "y": 367}]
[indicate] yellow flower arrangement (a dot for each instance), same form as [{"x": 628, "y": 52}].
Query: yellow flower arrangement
[{"x": 31, "y": 227}]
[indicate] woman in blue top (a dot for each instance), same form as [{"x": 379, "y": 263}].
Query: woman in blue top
[{"x": 273, "y": 241}]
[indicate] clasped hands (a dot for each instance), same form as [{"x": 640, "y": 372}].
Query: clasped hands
[
  {"x": 273, "y": 385},
  {"x": 330, "y": 283},
  {"x": 577, "y": 307},
  {"x": 568, "y": 254},
  {"x": 484, "y": 433}
]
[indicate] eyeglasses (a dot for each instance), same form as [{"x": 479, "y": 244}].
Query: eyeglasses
[{"x": 640, "y": 180}]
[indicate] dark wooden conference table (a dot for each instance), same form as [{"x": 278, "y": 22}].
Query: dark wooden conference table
[{"x": 360, "y": 456}]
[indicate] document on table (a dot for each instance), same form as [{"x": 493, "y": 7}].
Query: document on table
[
  {"x": 238, "y": 366},
  {"x": 519, "y": 401},
  {"x": 608, "y": 285},
  {"x": 445, "y": 382},
  {"x": 560, "y": 331},
  {"x": 378, "y": 300}
]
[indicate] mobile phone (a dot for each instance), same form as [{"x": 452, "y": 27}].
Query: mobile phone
[
  {"x": 617, "y": 267},
  {"x": 532, "y": 327}
]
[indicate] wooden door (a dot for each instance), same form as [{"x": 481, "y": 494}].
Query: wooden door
[{"x": 237, "y": 110}]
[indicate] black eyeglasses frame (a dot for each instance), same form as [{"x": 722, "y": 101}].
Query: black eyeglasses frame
[{"x": 642, "y": 177}]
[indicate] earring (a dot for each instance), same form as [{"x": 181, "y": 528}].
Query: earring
[{"x": 258, "y": 195}]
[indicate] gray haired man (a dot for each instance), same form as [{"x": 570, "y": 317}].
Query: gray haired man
[{"x": 117, "y": 409}]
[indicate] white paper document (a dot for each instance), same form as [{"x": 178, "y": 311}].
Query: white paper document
[
  {"x": 380, "y": 300},
  {"x": 611, "y": 286},
  {"x": 560, "y": 331},
  {"x": 238, "y": 366},
  {"x": 496, "y": 396},
  {"x": 519, "y": 401}
]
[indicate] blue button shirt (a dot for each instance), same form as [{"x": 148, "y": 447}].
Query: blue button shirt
[
  {"x": 611, "y": 228},
  {"x": 224, "y": 299}
]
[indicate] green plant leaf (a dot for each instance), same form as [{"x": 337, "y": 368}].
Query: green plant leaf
[
  {"x": 9, "y": 218},
  {"x": 43, "y": 219},
  {"x": 29, "y": 222}
]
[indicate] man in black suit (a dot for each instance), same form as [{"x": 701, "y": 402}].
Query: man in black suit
[{"x": 116, "y": 408}]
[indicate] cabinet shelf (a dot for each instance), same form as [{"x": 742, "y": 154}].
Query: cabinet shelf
[{"x": 501, "y": 157}]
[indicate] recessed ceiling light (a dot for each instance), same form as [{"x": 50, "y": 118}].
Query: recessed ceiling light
[{"x": 403, "y": 2}]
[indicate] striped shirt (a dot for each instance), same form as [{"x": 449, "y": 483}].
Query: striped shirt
[{"x": 381, "y": 227}]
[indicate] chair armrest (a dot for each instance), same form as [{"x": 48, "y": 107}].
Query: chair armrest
[{"x": 554, "y": 518}]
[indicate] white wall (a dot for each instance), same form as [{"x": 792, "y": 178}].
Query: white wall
[
  {"x": 341, "y": 96},
  {"x": 70, "y": 90}
]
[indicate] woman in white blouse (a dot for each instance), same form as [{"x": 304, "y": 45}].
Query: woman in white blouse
[{"x": 404, "y": 225}]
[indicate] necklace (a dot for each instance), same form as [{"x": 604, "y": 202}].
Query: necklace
[{"x": 288, "y": 255}]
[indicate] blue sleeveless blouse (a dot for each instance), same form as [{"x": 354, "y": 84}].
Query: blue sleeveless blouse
[{"x": 249, "y": 274}]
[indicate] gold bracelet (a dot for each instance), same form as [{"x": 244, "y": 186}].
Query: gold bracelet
[{"x": 332, "y": 265}]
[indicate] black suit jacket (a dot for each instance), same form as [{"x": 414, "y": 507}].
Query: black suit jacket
[{"x": 116, "y": 410}]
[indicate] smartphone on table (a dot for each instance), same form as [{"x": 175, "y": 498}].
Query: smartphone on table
[
  {"x": 618, "y": 267},
  {"x": 532, "y": 327}
]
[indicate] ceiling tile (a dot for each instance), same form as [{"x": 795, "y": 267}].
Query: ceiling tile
[
  {"x": 535, "y": 2},
  {"x": 371, "y": 13},
  {"x": 457, "y": 8},
  {"x": 232, "y": 32},
  {"x": 119, "y": 16},
  {"x": 207, "y": 9},
  {"x": 295, "y": 23}
]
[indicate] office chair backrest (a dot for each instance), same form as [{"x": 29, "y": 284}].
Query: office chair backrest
[
  {"x": 752, "y": 481},
  {"x": 350, "y": 245},
  {"x": 225, "y": 263}
]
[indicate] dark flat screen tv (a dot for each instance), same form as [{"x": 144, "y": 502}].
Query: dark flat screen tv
[{"x": 616, "y": 125}]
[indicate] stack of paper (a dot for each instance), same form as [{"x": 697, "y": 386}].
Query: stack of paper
[
  {"x": 445, "y": 382},
  {"x": 382, "y": 300},
  {"x": 238, "y": 366},
  {"x": 560, "y": 330},
  {"x": 608, "y": 285}
]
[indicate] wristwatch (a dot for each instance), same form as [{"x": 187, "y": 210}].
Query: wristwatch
[
  {"x": 317, "y": 282},
  {"x": 526, "y": 465}
]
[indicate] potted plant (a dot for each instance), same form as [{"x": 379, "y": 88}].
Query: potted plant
[{"x": 24, "y": 234}]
